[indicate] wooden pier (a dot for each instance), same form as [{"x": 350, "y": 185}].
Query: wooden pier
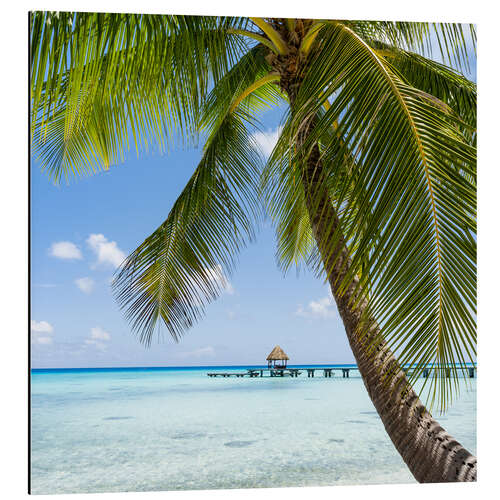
[
  {"x": 282, "y": 372},
  {"x": 328, "y": 372},
  {"x": 445, "y": 372}
]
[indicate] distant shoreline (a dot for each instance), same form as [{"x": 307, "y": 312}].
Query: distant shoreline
[{"x": 167, "y": 368}]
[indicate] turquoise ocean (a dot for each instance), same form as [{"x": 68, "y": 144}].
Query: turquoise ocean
[{"x": 150, "y": 429}]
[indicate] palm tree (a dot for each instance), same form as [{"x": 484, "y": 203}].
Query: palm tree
[{"x": 371, "y": 183}]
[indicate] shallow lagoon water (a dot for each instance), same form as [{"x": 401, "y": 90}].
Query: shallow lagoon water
[{"x": 150, "y": 430}]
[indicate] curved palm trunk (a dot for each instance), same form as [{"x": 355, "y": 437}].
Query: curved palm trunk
[{"x": 432, "y": 455}]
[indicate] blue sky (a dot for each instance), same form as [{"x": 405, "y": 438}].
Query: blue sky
[{"x": 82, "y": 231}]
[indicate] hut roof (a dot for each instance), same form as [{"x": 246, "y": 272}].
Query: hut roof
[{"x": 277, "y": 353}]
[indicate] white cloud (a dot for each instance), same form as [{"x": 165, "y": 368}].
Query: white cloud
[
  {"x": 98, "y": 333},
  {"x": 41, "y": 327},
  {"x": 202, "y": 352},
  {"x": 86, "y": 285},
  {"x": 65, "y": 250},
  {"x": 41, "y": 332},
  {"x": 267, "y": 140},
  {"x": 98, "y": 338},
  {"x": 322, "y": 308},
  {"x": 107, "y": 252}
]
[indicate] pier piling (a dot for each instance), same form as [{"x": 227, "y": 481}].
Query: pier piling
[{"x": 436, "y": 371}]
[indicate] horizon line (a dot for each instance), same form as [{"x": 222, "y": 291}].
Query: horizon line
[{"x": 201, "y": 366}]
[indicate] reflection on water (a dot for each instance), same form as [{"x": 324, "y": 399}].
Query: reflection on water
[
  {"x": 239, "y": 444},
  {"x": 117, "y": 418}
]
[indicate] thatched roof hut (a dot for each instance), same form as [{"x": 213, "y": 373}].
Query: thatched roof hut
[{"x": 278, "y": 356}]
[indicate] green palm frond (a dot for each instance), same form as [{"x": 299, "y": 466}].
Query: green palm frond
[
  {"x": 440, "y": 82},
  {"x": 283, "y": 193},
  {"x": 143, "y": 76},
  {"x": 227, "y": 93},
  {"x": 283, "y": 196},
  {"x": 182, "y": 266},
  {"x": 456, "y": 43},
  {"x": 413, "y": 199}
]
